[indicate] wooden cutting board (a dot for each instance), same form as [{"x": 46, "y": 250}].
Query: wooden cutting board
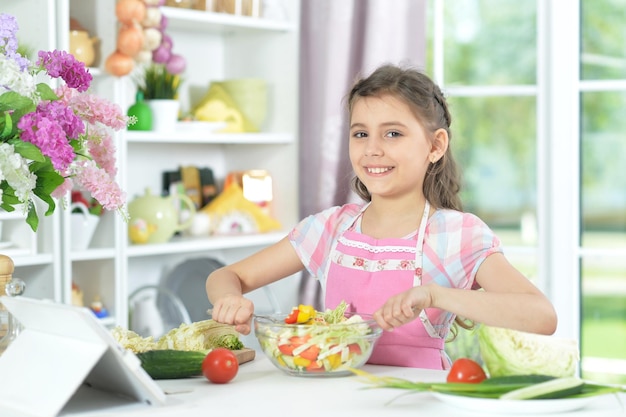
[{"x": 244, "y": 355}]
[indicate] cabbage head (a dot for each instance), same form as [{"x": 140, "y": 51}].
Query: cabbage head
[{"x": 511, "y": 352}]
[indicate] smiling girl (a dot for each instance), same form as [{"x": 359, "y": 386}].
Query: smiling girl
[{"x": 408, "y": 255}]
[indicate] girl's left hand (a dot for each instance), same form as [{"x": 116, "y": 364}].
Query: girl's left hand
[{"x": 403, "y": 307}]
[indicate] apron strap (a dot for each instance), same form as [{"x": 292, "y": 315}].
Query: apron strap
[{"x": 419, "y": 262}]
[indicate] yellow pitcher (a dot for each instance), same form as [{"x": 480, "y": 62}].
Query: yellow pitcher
[{"x": 83, "y": 47}]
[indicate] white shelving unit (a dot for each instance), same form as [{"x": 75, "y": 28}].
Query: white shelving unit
[{"x": 217, "y": 47}]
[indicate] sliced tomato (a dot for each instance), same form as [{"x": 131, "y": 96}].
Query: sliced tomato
[
  {"x": 286, "y": 349},
  {"x": 315, "y": 366},
  {"x": 354, "y": 348},
  {"x": 467, "y": 371},
  {"x": 299, "y": 340},
  {"x": 311, "y": 352}
]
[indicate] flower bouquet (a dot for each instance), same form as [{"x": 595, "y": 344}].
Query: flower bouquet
[{"x": 53, "y": 140}]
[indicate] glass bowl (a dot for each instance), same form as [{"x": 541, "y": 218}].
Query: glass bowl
[{"x": 317, "y": 350}]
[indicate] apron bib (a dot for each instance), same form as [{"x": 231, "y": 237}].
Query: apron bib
[{"x": 365, "y": 272}]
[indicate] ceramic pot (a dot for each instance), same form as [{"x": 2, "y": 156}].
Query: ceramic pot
[
  {"x": 164, "y": 114},
  {"x": 83, "y": 226},
  {"x": 83, "y": 47},
  {"x": 158, "y": 216},
  {"x": 142, "y": 112}
]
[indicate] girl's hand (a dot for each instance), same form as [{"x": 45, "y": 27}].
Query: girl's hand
[
  {"x": 235, "y": 310},
  {"x": 403, "y": 307}
]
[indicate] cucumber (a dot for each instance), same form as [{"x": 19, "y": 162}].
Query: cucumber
[
  {"x": 172, "y": 364},
  {"x": 554, "y": 388}
]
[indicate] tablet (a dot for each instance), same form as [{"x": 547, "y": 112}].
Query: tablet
[{"x": 63, "y": 348}]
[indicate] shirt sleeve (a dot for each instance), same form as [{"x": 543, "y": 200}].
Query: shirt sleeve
[
  {"x": 457, "y": 244},
  {"x": 314, "y": 237}
]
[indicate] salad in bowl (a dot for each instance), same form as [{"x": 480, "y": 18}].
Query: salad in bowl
[{"x": 311, "y": 343}]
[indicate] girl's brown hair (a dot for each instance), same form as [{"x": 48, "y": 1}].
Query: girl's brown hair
[{"x": 425, "y": 99}]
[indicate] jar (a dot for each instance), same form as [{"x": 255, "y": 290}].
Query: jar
[{"x": 83, "y": 47}]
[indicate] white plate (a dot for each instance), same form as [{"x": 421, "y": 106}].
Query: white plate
[{"x": 490, "y": 405}]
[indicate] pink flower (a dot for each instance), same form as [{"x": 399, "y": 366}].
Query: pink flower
[
  {"x": 100, "y": 184},
  {"x": 93, "y": 109},
  {"x": 102, "y": 149}
]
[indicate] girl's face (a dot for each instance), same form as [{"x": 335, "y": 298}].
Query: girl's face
[{"x": 389, "y": 149}]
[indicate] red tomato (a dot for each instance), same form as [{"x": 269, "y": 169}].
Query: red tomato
[
  {"x": 220, "y": 366},
  {"x": 466, "y": 370}
]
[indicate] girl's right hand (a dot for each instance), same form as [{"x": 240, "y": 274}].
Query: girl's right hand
[{"x": 235, "y": 310}]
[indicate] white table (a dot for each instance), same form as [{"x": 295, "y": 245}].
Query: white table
[{"x": 261, "y": 390}]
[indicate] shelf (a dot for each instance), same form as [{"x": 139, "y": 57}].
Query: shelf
[
  {"x": 209, "y": 138},
  {"x": 23, "y": 257},
  {"x": 186, "y": 244},
  {"x": 93, "y": 254},
  {"x": 211, "y": 22}
]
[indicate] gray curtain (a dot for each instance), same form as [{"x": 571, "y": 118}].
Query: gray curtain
[{"x": 341, "y": 40}]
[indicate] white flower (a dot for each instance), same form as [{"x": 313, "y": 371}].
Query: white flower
[
  {"x": 14, "y": 169},
  {"x": 13, "y": 79}
]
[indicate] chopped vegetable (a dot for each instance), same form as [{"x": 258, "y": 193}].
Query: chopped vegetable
[
  {"x": 301, "y": 315},
  {"x": 511, "y": 352},
  {"x": 337, "y": 314}
]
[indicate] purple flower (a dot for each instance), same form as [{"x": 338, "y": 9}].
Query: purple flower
[
  {"x": 49, "y": 129},
  {"x": 64, "y": 65},
  {"x": 8, "y": 40}
]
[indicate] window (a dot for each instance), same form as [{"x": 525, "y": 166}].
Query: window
[{"x": 537, "y": 97}]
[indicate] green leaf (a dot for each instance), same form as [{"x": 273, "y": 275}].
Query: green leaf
[
  {"x": 31, "y": 218},
  {"x": 28, "y": 150},
  {"x": 8, "y": 126},
  {"x": 47, "y": 181},
  {"x": 14, "y": 101},
  {"x": 46, "y": 92}
]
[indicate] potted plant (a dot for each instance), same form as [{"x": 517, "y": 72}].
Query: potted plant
[{"x": 159, "y": 89}]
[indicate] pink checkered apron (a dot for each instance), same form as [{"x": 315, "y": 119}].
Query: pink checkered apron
[{"x": 365, "y": 272}]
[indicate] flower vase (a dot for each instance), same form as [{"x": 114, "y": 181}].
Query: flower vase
[
  {"x": 164, "y": 114},
  {"x": 83, "y": 226}
]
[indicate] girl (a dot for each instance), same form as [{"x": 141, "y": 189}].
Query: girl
[{"x": 409, "y": 255}]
